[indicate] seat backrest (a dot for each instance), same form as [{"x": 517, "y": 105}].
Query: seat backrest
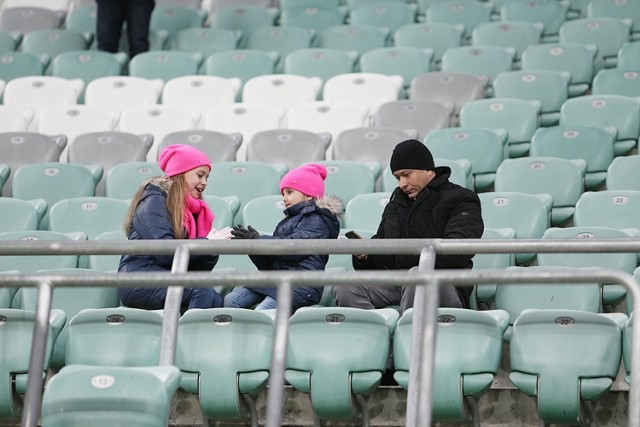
[
  {"x": 264, "y": 213},
  {"x": 21, "y": 215},
  {"x": 125, "y": 179},
  {"x": 243, "y": 18},
  {"x": 218, "y": 146},
  {"x": 91, "y": 215},
  {"x": 224, "y": 353},
  {"x": 324, "y": 361},
  {"x": 629, "y": 56},
  {"x": 52, "y": 42},
  {"x": 82, "y": 19},
  {"x": 224, "y": 209},
  {"x": 27, "y": 19},
  {"x": 616, "y": 9},
  {"x": 626, "y": 341},
  {"x": 514, "y": 34},
  {"x": 364, "y": 211},
  {"x": 372, "y": 89},
  {"x": 622, "y": 173},
  {"x": 448, "y": 87},
  {"x": 331, "y": 117},
  {"x": 114, "y": 336},
  {"x": 9, "y": 41},
  {"x": 241, "y": 63},
  {"x": 74, "y": 120},
  {"x": 610, "y": 208},
  {"x": 320, "y": 62},
  {"x": 88, "y": 65},
  {"x": 551, "y": 14},
  {"x": 5, "y": 171},
  {"x": 403, "y": 61},
  {"x": 174, "y": 18},
  {"x": 289, "y": 147},
  {"x": 316, "y": 16},
  {"x": 414, "y": 116},
  {"x": 485, "y": 61},
  {"x": 616, "y": 81},
  {"x": 14, "y": 119},
  {"x": 351, "y": 37},
  {"x": 467, "y": 356},
  {"x": 465, "y": 13},
  {"x": 21, "y": 64},
  {"x": 348, "y": 178},
  {"x": 487, "y": 292},
  {"x": 391, "y": 15},
  {"x": 200, "y": 92},
  {"x": 106, "y": 262},
  {"x": 165, "y": 65},
  {"x": 205, "y": 40},
  {"x": 437, "y": 36},
  {"x": 120, "y": 92},
  {"x": 368, "y": 144},
  {"x": 565, "y": 356},
  {"x": 280, "y": 39},
  {"x": 281, "y": 90},
  {"x": 33, "y": 263}
]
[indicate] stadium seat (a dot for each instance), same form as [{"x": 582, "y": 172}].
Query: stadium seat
[
  {"x": 224, "y": 355},
  {"x": 351, "y": 37},
  {"x": 90, "y": 215},
  {"x": 445, "y": 87},
  {"x": 289, "y": 147},
  {"x": 106, "y": 263},
  {"x": 206, "y": 40},
  {"x": 53, "y": 5},
  {"x": 5, "y": 171},
  {"x": 437, "y": 36},
  {"x": 593, "y": 145},
  {"x": 615, "y": 111},
  {"x": 281, "y": 90},
  {"x": 626, "y": 344},
  {"x": 419, "y": 117},
  {"x": 609, "y": 208},
  {"x": 240, "y": 63},
  {"x": 364, "y": 211},
  {"x": 27, "y": 19},
  {"x": 342, "y": 261},
  {"x": 611, "y": 294},
  {"x": 519, "y": 118},
  {"x": 124, "y": 179},
  {"x": 9, "y": 41},
  {"x": 165, "y": 65},
  {"x": 608, "y": 34},
  {"x": 21, "y": 64},
  {"x": 130, "y": 395},
  {"x": 528, "y": 215},
  {"x": 484, "y": 148},
  {"x": 403, "y": 61},
  {"x": 629, "y": 56},
  {"x": 243, "y": 18},
  {"x": 319, "y": 62},
  {"x": 549, "y": 88},
  {"x": 484, "y": 61},
  {"x": 348, "y": 178},
  {"x": 15, "y": 337},
  {"x": 88, "y": 65},
  {"x": 622, "y": 173},
  {"x": 517, "y": 35},
  {"x": 390, "y": 15},
  {"x": 33, "y": 263},
  {"x": 82, "y": 18},
  {"x": 174, "y": 18},
  {"x": 485, "y": 293},
  {"x": 541, "y": 175},
  {"x": 467, "y": 357},
  {"x": 551, "y": 14},
  {"x": 21, "y": 215},
  {"x": 469, "y": 14},
  {"x": 52, "y": 42},
  {"x": 247, "y": 180},
  {"x": 280, "y": 39},
  {"x": 368, "y": 144},
  {"x": 576, "y": 59},
  {"x": 315, "y": 16},
  {"x": 15, "y": 119},
  {"x": 200, "y": 92},
  {"x": 219, "y": 147},
  {"x": 566, "y": 359},
  {"x": 224, "y": 208},
  {"x": 264, "y": 213},
  {"x": 41, "y": 92},
  {"x": 616, "y": 81},
  {"x": 108, "y": 149},
  {"x": 337, "y": 371},
  {"x": 372, "y": 89},
  {"x": 618, "y": 10},
  {"x": 460, "y": 174},
  {"x": 114, "y": 336},
  {"x": 120, "y": 92}
]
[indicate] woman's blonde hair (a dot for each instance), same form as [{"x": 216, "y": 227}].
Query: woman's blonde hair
[{"x": 175, "y": 190}]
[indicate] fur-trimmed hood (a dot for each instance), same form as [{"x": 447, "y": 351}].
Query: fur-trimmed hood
[
  {"x": 162, "y": 182},
  {"x": 332, "y": 203}
]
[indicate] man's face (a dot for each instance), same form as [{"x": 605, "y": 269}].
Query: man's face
[{"x": 412, "y": 181}]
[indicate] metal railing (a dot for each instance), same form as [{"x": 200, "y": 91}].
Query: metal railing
[{"x": 426, "y": 279}]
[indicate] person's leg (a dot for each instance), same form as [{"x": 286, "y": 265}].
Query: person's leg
[
  {"x": 242, "y": 298},
  {"x": 268, "y": 303},
  {"x": 146, "y": 298},
  {"x": 201, "y": 298},
  {"x": 138, "y": 17},
  {"x": 448, "y": 297},
  {"x": 109, "y": 24},
  {"x": 367, "y": 297}
]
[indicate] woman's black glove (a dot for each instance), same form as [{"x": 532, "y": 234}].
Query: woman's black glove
[{"x": 239, "y": 232}]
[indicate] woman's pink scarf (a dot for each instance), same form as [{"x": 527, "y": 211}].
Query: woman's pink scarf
[{"x": 198, "y": 217}]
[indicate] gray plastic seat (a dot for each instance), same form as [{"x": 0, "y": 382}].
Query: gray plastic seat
[
  {"x": 290, "y": 147},
  {"x": 27, "y": 19},
  {"x": 447, "y": 87},
  {"x": 367, "y": 144},
  {"x": 218, "y": 146},
  {"x": 415, "y": 116}
]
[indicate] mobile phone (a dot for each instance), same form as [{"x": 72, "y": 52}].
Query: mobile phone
[{"x": 352, "y": 235}]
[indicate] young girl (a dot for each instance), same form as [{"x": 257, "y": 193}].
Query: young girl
[
  {"x": 171, "y": 207},
  {"x": 308, "y": 215}
]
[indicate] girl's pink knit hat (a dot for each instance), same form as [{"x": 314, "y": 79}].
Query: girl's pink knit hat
[
  {"x": 179, "y": 158},
  {"x": 307, "y": 179}
]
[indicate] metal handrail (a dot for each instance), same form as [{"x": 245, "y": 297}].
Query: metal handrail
[{"x": 419, "y": 398}]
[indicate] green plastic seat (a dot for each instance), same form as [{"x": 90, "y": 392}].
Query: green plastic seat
[
  {"x": 224, "y": 355},
  {"x": 622, "y": 173},
  {"x": 437, "y": 36},
  {"x": 487, "y": 292},
  {"x": 125, "y": 179},
  {"x": 593, "y": 145},
  {"x": 107, "y": 263},
  {"x": 484, "y": 148},
  {"x": 53, "y": 42},
  {"x": 225, "y": 208},
  {"x": 518, "y": 117},
  {"x": 487, "y": 61},
  {"x": 358, "y": 38},
  {"x": 549, "y": 88},
  {"x": 364, "y": 211},
  {"x": 280, "y": 39},
  {"x": 404, "y": 61},
  {"x": 21, "y": 64},
  {"x": 88, "y": 65},
  {"x": 21, "y": 215},
  {"x": 9, "y": 40},
  {"x": 616, "y": 81},
  {"x": 566, "y": 359},
  {"x": 263, "y": 213},
  {"x": 7, "y": 294},
  {"x": 467, "y": 357},
  {"x": 82, "y": 19},
  {"x": 206, "y": 40},
  {"x": 610, "y": 208},
  {"x": 243, "y": 18},
  {"x": 514, "y": 34},
  {"x": 319, "y": 62},
  {"x": 615, "y": 111},
  {"x": 325, "y": 361},
  {"x": 467, "y": 13},
  {"x": 460, "y": 173},
  {"x": 552, "y": 14},
  {"x": 173, "y": 18},
  {"x": 527, "y": 214},
  {"x": 390, "y": 15},
  {"x": 110, "y": 395},
  {"x": 623, "y": 10},
  {"x": 629, "y": 56},
  {"x": 626, "y": 347},
  {"x": 114, "y": 336},
  {"x": 165, "y": 65},
  {"x": 240, "y": 63},
  {"x": 90, "y": 215},
  {"x": 542, "y": 175},
  {"x": 15, "y": 340},
  {"x": 348, "y": 178},
  {"x": 316, "y": 16}
]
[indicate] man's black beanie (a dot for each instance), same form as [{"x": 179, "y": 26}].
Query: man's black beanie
[{"x": 411, "y": 154}]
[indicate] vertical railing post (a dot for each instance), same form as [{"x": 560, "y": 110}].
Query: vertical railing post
[
  {"x": 172, "y": 304},
  {"x": 424, "y": 295},
  {"x": 275, "y": 396},
  {"x": 33, "y": 395}
]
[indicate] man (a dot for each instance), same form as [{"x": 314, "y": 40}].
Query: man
[
  {"x": 425, "y": 205},
  {"x": 112, "y": 15}
]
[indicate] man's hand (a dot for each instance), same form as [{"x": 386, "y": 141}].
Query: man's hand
[
  {"x": 224, "y": 234},
  {"x": 239, "y": 232}
]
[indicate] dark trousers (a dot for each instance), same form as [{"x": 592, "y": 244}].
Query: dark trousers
[
  {"x": 112, "y": 14},
  {"x": 153, "y": 298}
]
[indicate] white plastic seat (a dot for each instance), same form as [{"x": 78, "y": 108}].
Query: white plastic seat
[
  {"x": 14, "y": 119},
  {"x": 121, "y": 92}
]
